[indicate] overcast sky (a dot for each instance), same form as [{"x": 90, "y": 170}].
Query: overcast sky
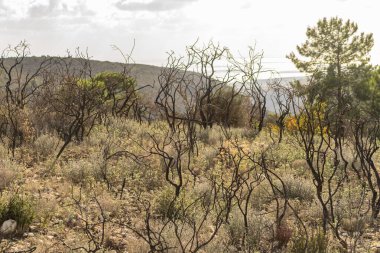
[{"x": 158, "y": 26}]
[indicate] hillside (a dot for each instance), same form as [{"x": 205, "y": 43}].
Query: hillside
[{"x": 145, "y": 75}]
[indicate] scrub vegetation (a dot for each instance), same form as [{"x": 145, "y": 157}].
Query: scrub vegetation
[{"x": 89, "y": 162}]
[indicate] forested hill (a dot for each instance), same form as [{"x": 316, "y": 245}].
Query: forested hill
[{"x": 145, "y": 75}]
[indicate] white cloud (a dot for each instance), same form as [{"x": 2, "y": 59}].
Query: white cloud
[
  {"x": 56, "y": 8},
  {"x": 153, "y": 5}
]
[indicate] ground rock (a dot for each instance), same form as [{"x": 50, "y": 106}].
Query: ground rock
[{"x": 8, "y": 227}]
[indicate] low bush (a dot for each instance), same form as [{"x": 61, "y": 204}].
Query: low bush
[
  {"x": 19, "y": 209},
  {"x": 297, "y": 188},
  {"x": 79, "y": 172},
  {"x": 283, "y": 235},
  {"x": 261, "y": 196},
  {"x": 7, "y": 176},
  {"x": 355, "y": 224},
  {"x": 317, "y": 242},
  {"x": 212, "y": 136},
  {"x": 45, "y": 145},
  {"x": 250, "y": 239},
  {"x": 165, "y": 204}
]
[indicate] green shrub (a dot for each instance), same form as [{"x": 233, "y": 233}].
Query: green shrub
[
  {"x": 80, "y": 171},
  {"x": 18, "y": 209},
  {"x": 45, "y": 145},
  {"x": 316, "y": 243},
  {"x": 235, "y": 231},
  {"x": 298, "y": 188},
  {"x": 165, "y": 205},
  {"x": 3, "y": 210},
  {"x": 247, "y": 239},
  {"x": 261, "y": 196},
  {"x": 182, "y": 207}
]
